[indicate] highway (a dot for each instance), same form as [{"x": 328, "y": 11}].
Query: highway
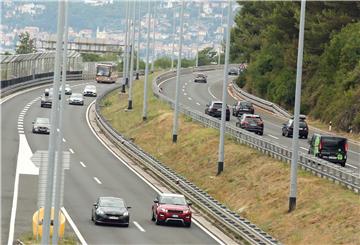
[
  {"x": 94, "y": 172},
  {"x": 197, "y": 95}
]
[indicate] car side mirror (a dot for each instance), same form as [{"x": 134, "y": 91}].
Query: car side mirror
[
  {"x": 156, "y": 201},
  {"x": 207, "y": 105},
  {"x": 95, "y": 205},
  {"x": 128, "y": 207},
  {"x": 33, "y": 122},
  {"x": 284, "y": 124},
  {"x": 189, "y": 203}
]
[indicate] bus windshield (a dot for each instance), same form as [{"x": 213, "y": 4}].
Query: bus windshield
[{"x": 103, "y": 71}]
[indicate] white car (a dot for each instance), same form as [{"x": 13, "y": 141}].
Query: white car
[
  {"x": 76, "y": 99},
  {"x": 67, "y": 89},
  {"x": 90, "y": 90},
  {"x": 41, "y": 125}
]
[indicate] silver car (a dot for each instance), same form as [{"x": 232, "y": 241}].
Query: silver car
[
  {"x": 90, "y": 90},
  {"x": 67, "y": 89},
  {"x": 76, "y": 99},
  {"x": 41, "y": 125}
]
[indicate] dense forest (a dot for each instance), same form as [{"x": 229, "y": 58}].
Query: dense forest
[{"x": 265, "y": 36}]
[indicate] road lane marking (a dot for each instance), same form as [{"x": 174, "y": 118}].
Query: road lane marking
[
  {"x": 198, "y": 103},
  {"x": 71, "y": 150},
  {"x": 83, "y": 164},
  {"x": 185, "y": 84},
  {"x": 97, "y": 180},
  {"x": 64, "y": 140},
  {"x": 272, "y": 136},
  {"x": 72, "y": 224},
  {"x": 189, "y": 98},
  {"x": 303, "y": 148},
  {"x": 139, "y": 226},
  {"x": 212, "y": 93},
  {"x": 352, "y": 166},
  {"x": 185, "y": 94}
]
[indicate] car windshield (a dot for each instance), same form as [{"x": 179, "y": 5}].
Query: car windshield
[
  {"x": 77, "y": 96},
  {"x": 253, "y": 120},
  {"x": 42, "y": 120},
  {"x": 200, "y": 75},
  {"x": 302, "y": 124},
  {"x": 175, "y": 200},
  {"x": 111, "y": 203},
  {"x": 217, "y": 105},
  {"x": 90, "y": 87},
  {"x": 245, "y": 104}
]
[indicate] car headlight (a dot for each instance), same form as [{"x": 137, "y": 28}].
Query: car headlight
[
  {"x": 100, "y": 212},
  {"x": 186, "y": 211},
  {"x": 163, "y": 210},
  {"x": 126, "y": 213}
]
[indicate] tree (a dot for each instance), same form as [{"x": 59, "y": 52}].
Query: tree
[
  {"x": 26, "y": 44},
  {"x": 206, "y": 56}
]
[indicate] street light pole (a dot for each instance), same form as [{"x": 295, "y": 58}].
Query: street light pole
[
  {"x": 295, "y": 140},
  {"x": 129, "y": 47},
  {"x": 222, "y": 35},
  {"x": 138, "y": 44},
  {"x": 176, "y": 109},
  {"x": 132, "y": 56},
  {"x": 173, "y": 37},
  {"x": 154, "y": 41},
  {"x": 197, "y": 38},
  {"x": 54, "y": 122},
  {"x": 224, "y": 94},
  {"x": 59, "y": 163},
  {"x": 125, "y": 48},
  {"x": 147, "y": 63}
]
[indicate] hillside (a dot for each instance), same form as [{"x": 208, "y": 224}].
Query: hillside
[{"x": 266, "y": 36}]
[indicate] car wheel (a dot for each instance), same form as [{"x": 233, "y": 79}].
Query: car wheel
[
  {"x": 342, "y": 164},
  {"x": 187, "y": 224},
  {"x": 287, "y": 134},
  {"x": 152, "y": 216},
  {"x": 227, "y": 118},
  {"x": 33, "y": 131},
  {"x": 261, "y": 133},
  {"x": 157, "y": 222},
  {"x": 237, "y": 125},
  {"x": 305, "y": 137},
  {"x": 92, "y": 217},
  {"x": 282, "y": 133}
]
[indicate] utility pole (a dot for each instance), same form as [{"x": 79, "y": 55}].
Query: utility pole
[
  {"x": 59, "y": 163},
  {"x": 176, "y": 109},
  {"x": 147, "y": 63},
  {"x": 295, "y": 140},
  {"x": 45, "y": 240},
  {"x": 138, "y": 45},
  {"x": 173, "y": 37},
  {"x": 197, "y": 38},
  {"x": 132, "y": 56},
  {"x": 154, "y": 41},
  {"x": 125, "y": 48},
  {"x": 224, "y": 94}
]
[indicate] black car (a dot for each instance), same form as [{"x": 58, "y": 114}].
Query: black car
[
  {"x": 46, "y": 101},
  {"x": 242, "y": 107},
  {"x": 214, "y": 109},
  {"x": 252, "y": 123},
  {"x": 110, "y": 210},
  {"x": 331, "y": 148},
  {"x": 200, "y": 77},
  {"x": 233, "y": 71},
  {"x": 287, "y": 129}
]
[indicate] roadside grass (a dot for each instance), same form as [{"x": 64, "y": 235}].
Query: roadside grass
[
  {"x": 252, "y": 184},
  {"x": 28, "y": 239}
]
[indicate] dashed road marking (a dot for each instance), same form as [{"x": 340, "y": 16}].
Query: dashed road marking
[
  {"x": 64, "y": 140},
  {"x": 139, "y": 226},
  {"x": 83, "y": 164},
  {"x": 212, "y": 93},
  {"x": 272, "y": 136},
  {"x": 97, "y": 180},
  {"x": 189, "y": 98},
  {"x": 352, "y": 166},
  {"x": 71, "y": 150},
  {"x": 303, "y": 148},
  {"x": 185, "y": 84},
  {"x": 185, "y": 94},
  {"x": 198, "y": 103}
]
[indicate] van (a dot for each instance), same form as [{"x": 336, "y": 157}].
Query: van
[{"x": 331, "y": 148}]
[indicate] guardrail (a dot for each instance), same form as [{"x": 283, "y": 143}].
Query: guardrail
[
  {"x": 227, "y": 219},
  {"x": 317, "y": 166},
  {"x": 24, "y": 84},
  {"x": 264, "y": 104}
]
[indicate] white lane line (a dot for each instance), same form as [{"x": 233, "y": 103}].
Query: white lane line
[
  {"x": 183, "y": 90},
  {"x": 272, "y": 136},
  {"x": 353, "y": 152},
  {"x": 21, "y": 132},
  {"x": 139, "y": 226},
  {"x": 58, "y": 129},
  {"x": 71, "y": 150},
  {"x": 72, "y": 224},
  {"x": 83, "y": 164},
  {"x": 22, "y": 113},
  {"x": 185, "y": 94},
  {"x": 189, "y": 98},
  {"x": 198, "y": 103},
  {"x": 303, "y": 148},
  {"x": 20, "y": 123},
  {"x": 352, "y": 166},
  {"x": 97, "y": 180},
  {"x": 217, "y": 239},
  {"x": 185, "y": 84},
  {"x": 212, "y": 93},
  {"x": 64, "y": 140}
]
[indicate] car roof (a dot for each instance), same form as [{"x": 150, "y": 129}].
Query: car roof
[
  {"x": 251, "y": 115},
  {"x": 76, "y": 94},
  {"x": 41, "y": 118},
  {"x": 111, "y": 198},
  {"x": 171, "y": 195},
  {"x": 216, "y": 101},
  {"x": 90, "y": 85},
  {"x": 329, "y": 136}
]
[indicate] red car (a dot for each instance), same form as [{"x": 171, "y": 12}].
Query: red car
[{"x": 171, "y": 208}]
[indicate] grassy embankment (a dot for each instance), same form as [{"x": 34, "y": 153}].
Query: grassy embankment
[
  {"x": 28, "y": 239},
  {"x": 254, "y": 185}
]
